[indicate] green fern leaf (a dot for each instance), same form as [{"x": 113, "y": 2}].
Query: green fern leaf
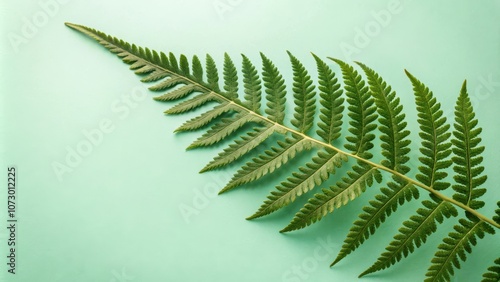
[
  {"x": 361, "y": 111},
  {"x": 206, "y": 117},
  {"x": 141, "y": 69},
  {"x": 268, "y": 162},
  {"x": 190, "y": 104},
  {"x": 241, "y": 146},
  {"x": 167, "y": 84},
  {"x": 252, "y": 84},
  {"x": 197, "y": 69},
  {"x": 155, "y": 76},
  {"x": 311, "y": 175},
  {"x": 493, "y": 274},
  {"x": 468, "y": 177},
  {"x": 395, "y": 144},
  {"x": 367, "y": 102},
  {"x": 212, "y": 74},
  {"x": 178, "y": 93},
  {"x": 184, "y": 65},
  {"x": 172, "y": 62},
  {"x": 467, "y": 154},
  {"x": 394, "y": 149},
  {"x": 221, "y": 130},
  {"x": 358, "y": 179},
  {"x": 275, "y": 88},
  {"x": 331, "y": 102},
  {"x": 303, "y": 92},
  {"x": 435, "y": 150},
  {"x": 456, "y": 246},
  {"x": 434, "y": 132},
  {"x": 230, "y": 79},
  {"x": 413, "y": 233},
  {"x": 383, "y": 206}
]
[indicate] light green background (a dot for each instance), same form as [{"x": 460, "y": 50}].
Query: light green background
[{"x": 116, "y": 216}]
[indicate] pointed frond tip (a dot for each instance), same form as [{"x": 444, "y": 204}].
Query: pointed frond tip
[
  {"x": 469, "y": 176},
  {"x": 330, "y": 133}
]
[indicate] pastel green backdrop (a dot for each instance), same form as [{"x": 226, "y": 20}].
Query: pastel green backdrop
[{"x": 133, "y": 207}]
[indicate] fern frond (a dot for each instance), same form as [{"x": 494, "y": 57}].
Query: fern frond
[
  {"x": 142, "y": 69},
  {"x": 221, "y": 130},
  {"x": 493, "y": 274},
  {"x": 230, "y": 79},
  {"x": 212, "y": 74},
  {"x": 197, "y": 69},
  {"x": 435, "y": 150},
  {"x": 155, "y": 76},
  {"x": 395, "y": 150},
  {"x": 434, "y": 133},
  {"x": 395, "y": 144},
  {"x": 384, "y": 205},
  {"x": 331, "y": 101},
  {"x": 179, "y": 93},
  {"x": 466, "y": 152},
  {"x": 172, "y": 62},
  {"x": 168, "y": 83},
  {"x": 268, "y": 162},
  {"x": 184, "y": 65},
  {"x": 241, "y": 146},
  {"x": 456, "y": 246},
  {"x": 358, "y": 179},
  {"x": 361, "y": 111},
  {"x": 206, "y": 117},
  {"x": 303, "y": 92},
  {"x": 252, "y": 84},
  {"x": 190, "y": 104},
  {"x": 414, "y": 233},
  {"x": 368, "y": 101},
  {"x": 311, "y": 175},
  {"x": 468, "y": 177},
  {"x": 274, "y": 85}
]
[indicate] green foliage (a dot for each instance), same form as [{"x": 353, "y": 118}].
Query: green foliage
[
  {"x": 230, "y": 79},
  {"x": 372, "y": 109},
  {"x": 493, "y": 274},
  {"x": 435, "y": 152},
  {"x": 303, "y": 92},
  {"x": 331, "y": 101},
  {"x": 197, "y": 68},
  {"x": 351, "y": 186},
  {"x": 456, "y": 246},
  {"x": 212, "y": 74},
  {"x": 275, "y": 89},
  {"x": 434, "y": 132},
  {"x": 467, "y": 156},
  {"x": 361, "y": 111},
  {"x": 468, "y": 177},
  {"x": 252, "y": 85},
  {"x": 309, "y": 176}
]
